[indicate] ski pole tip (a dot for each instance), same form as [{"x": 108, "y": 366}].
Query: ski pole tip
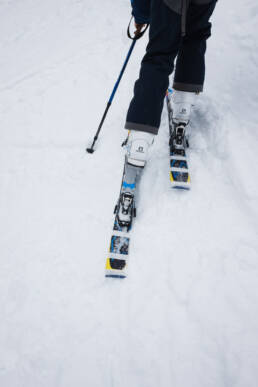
[{"x": 90, "y": 150}]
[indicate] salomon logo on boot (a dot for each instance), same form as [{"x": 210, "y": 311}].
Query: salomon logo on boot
[{"x": 140, "y": 149}]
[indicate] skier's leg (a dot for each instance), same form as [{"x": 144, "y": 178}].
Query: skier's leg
[
  {"x": 165, "y": 35},
  {"x": 190, "y": 67}
]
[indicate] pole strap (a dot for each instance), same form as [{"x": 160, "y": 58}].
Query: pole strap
[{"x": 138, "y": 36}]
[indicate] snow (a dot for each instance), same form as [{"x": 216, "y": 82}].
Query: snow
[{"x": 187, "y": 314}]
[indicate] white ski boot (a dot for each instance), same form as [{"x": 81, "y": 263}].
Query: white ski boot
[
  {"x": 137, "y": 147},
  {"x": 181, "y": 104},
  {"x": 179, "y": 108}
]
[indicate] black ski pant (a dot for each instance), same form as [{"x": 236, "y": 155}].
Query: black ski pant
[{"x": 165, "y": 43}]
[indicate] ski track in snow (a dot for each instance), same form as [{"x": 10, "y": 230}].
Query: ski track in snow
[{"x": 187, "y": 313}]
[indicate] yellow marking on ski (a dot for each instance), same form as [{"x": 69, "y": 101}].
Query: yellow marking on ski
[
  {"x": 171, "y": 177},
  {"x": 108, "y": 266},
  {"x": 188, "y": 180}
]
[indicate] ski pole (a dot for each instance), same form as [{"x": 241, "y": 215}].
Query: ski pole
[{"x": 138, "y": 36}]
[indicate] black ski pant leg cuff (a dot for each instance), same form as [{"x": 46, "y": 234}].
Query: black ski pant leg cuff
[
  {"x": 188, "y": 87},
  {"x": 141, "y": 127}
]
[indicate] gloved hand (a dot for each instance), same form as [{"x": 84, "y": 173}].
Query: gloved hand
[{"x": 139, "y": 27}]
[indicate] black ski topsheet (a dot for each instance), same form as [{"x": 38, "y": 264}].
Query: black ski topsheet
[{"x": 178, "y": 166}]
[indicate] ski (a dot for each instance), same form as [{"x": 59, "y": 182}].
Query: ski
[
  {"x": 125, "y": 212},
  {"x": 179, "y": 172}
]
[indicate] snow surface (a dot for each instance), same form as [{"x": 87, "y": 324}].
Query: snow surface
[{"x": 187, "y": 315}]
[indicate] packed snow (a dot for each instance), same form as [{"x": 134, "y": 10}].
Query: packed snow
[{"x": 187, "y": 315}]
